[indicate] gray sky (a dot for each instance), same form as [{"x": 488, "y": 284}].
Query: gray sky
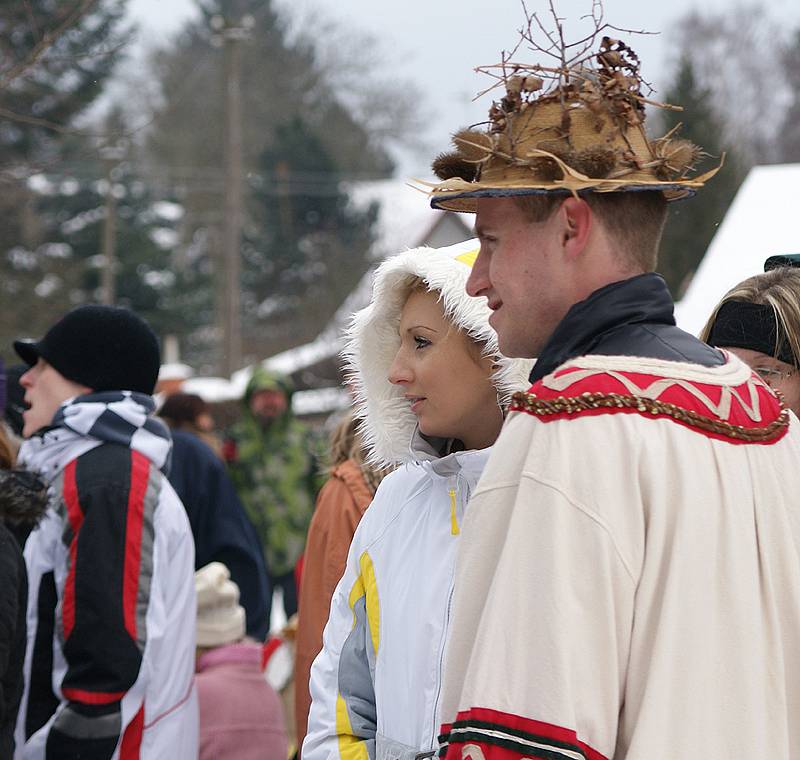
[{"x": 436, "y": 43}]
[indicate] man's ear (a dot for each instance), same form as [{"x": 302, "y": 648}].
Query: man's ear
[{"x": 576, "y": 226}]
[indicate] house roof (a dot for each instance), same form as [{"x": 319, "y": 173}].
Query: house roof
[
  {"x": 405, "y": 218},
  {"x": 761, "y": 222}
]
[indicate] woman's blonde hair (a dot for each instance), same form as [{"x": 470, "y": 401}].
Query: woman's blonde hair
[
  {"x": 475, "y": 346},
  {"x": 345, "y": 443},
  {"x": 6, "y": 450},
  {"x": 778, "y": 288}
]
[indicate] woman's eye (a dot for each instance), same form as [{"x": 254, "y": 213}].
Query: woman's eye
[{"x": 421, "y": 342}]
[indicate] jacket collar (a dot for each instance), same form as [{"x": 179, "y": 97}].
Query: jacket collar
[
  {"x": 641, "y": 299},
  {"x": 83, "y": 422}
]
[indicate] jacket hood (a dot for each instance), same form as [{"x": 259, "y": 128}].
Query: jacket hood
[
  {"x": 23, "y": 497},
  {"x": 388, "y": 425},
  {"x": 264, "y": 379}
]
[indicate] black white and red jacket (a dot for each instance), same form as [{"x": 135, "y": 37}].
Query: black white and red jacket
[{"x": 111, "y": 612}]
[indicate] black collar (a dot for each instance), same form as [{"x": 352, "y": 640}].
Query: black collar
[{"x": 639, "y": 300}]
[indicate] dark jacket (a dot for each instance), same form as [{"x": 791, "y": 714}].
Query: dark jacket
[
  {"x": 23, "y": 500},
  {"x": 633, "y": 317},
  {"x": 221, "y": 529}
]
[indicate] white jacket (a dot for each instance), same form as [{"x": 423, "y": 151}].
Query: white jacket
[{"x": 376, "y": 685}]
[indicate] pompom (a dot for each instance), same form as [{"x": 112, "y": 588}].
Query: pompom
[
  {"x": 472, "y": 145},
  {"x": 678, "y": 156},
  {"x": 450, "y": 165},
  {"x": 595, "y": 162}
]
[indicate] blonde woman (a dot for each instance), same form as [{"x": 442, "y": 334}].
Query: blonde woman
[
  {"x": 432, "y": 390},
  {"x": 759, "y": 321}
]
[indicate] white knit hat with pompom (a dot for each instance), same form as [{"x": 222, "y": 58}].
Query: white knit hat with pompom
[{"x": 220, "y": 617}]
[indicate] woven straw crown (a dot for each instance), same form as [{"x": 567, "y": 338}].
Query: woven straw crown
[{"x": 583, "y": 133}]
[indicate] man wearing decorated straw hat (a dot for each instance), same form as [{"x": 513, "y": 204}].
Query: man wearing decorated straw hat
[{"x": 628, "y": 582}]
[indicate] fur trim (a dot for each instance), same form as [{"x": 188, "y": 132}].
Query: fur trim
[
  {"x": 388, "y": 425},
  {"x": 23, "y": 497}
]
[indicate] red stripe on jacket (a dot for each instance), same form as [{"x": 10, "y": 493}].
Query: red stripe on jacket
[
  {"x": 526, "y": 730},
  {"x": 75, "y": 516},
  {"x": 132, "y": 738},
  {"x": 92, "y": 697},
  {"x": 140, "y": 473}
]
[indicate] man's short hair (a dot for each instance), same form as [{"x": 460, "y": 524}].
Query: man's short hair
[{"x": 634, "y": 220}]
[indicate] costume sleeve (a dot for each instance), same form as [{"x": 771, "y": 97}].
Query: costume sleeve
[
  {"x": 110, "y": 496},
  {"x": 342, "y": 721},
  {"x": 329, "y": 536},
  {"x": 542, "y": 616}
]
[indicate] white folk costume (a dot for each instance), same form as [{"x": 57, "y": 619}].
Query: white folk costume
[
  {"x": 628, "y": 583},
  {"x": 376, "y": 685}
]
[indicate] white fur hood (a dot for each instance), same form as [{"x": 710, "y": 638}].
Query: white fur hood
[{"x": 389, "y": 426}]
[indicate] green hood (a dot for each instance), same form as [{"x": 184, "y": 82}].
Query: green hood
[{"x": 267, "y": 380}]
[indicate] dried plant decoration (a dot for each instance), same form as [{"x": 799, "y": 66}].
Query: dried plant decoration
[{"x": 574, "y": 121}]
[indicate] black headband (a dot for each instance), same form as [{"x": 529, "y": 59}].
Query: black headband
[{"x": 740, "y": 324}]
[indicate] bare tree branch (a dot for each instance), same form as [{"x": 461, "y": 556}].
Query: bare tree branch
[{"x": 47, "y": 41}]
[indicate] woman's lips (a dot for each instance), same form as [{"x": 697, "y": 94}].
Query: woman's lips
[{"x": 416, "y": 402}]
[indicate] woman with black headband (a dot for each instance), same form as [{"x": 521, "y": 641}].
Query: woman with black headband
[{"x": 759, "y": 321}]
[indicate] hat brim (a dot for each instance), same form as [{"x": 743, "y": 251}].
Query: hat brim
[
  {"x": 28, "y": 351},
  {"x": 466, "y": 202}
]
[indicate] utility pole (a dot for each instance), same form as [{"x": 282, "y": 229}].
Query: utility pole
[
  {"x": 232, "y": 34},
  {"x": 111, "y": 155}
]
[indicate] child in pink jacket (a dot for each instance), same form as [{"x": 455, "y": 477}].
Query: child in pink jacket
[{"x": 241, "y": 717}]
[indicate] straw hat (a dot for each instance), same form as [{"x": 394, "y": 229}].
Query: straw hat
[{"x": 568, "y": 129}]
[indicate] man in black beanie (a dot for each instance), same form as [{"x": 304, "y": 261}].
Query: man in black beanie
[{"x": 110, "y": 653}]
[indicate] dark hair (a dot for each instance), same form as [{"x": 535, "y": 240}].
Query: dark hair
[
  {"x": 182, "y": 409},
  {"x": 635, "y": 220}
]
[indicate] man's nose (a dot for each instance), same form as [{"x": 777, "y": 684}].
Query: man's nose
[{"x": 478, "y": 280}]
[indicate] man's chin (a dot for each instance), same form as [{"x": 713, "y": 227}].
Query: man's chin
[{"x": 514, "y": 347}]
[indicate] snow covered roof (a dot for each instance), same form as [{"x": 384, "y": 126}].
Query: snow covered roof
[
  {"x": 761, "y": 222},
  {"x": 405, "y": 217}
]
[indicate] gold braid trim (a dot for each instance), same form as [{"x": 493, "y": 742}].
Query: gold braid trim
[{"x": 528, "y": 402}]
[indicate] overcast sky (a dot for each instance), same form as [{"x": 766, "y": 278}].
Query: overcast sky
[{"x": 437, "y": 43}]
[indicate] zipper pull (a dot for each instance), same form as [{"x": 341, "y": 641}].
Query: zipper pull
[{"x": 454, "y": 530}]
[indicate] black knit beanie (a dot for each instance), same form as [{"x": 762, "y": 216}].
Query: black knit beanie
[{"x": 102, "y": 347}]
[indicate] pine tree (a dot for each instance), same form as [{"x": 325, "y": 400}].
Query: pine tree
[
  {"x": 282, "y": 84},
  {"x": 789, "y": 134},
  {"x": 692, "y": 223},
  {"x": 73, "y": 213},
  {"x": 306, "y": 246},
  {"x": 56, "y": 58}
]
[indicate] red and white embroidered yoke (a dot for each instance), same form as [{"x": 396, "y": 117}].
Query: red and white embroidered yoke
[{"x": 628, "y": 584}]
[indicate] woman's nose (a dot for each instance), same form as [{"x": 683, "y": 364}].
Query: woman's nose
[{"x": 399, "y": 371}]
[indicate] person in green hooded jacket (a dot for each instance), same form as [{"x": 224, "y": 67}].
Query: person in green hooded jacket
[{"x": 272, "y": 458}]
